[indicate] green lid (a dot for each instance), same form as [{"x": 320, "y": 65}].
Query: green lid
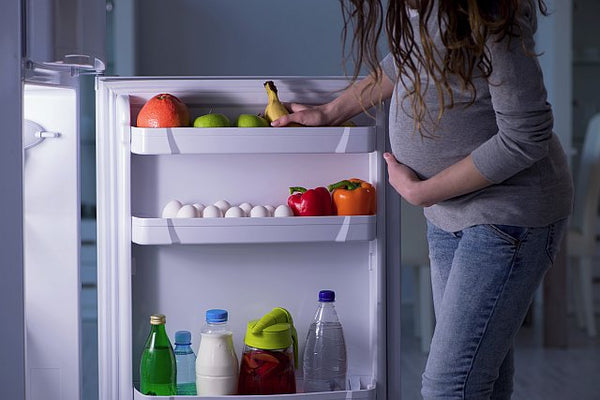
[
  {"x": 275, "y": 330},
  {"x": 278, "y": 336}
]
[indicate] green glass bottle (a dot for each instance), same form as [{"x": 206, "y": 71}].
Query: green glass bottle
[{"x": 158, "y": 370}]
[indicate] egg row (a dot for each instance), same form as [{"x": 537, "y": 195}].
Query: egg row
[{"x": 222, "y": 208}]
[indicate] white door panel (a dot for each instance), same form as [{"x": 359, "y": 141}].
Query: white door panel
[{"x": 51, "y": 242}]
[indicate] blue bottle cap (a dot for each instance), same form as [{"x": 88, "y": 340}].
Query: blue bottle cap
[
  {"x": 216, "y": 315},
  {"x": 183, "y": 337},
  {"x": 326, "y": 296}
]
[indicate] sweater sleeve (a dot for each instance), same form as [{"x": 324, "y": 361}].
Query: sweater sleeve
[
  {"x": 518, "y": 96},
  {"x": 388, "y": 66}
]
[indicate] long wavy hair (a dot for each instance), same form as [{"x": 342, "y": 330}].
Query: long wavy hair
[{"x": 465, "y": 27}]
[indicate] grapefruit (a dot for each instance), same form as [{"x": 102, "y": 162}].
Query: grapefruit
[{"x": 163, "y": 111}]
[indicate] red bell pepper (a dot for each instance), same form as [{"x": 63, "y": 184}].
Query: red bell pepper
[{"x": 313, "y": 202}]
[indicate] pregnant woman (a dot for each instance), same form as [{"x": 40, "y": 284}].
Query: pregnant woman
[{"x": 471, "y": 135}]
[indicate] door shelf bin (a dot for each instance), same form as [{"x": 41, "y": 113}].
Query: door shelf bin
[
  {"x": 161, "y": 231},
  {"x": 362, "y": 392},
  {"x": 366, "y": 394},
  {"x": 149, "y": 141}
]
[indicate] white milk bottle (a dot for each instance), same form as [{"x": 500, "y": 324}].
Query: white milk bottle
[{"x": 216, "y": 363}]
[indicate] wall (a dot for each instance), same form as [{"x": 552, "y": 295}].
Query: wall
[
  {"x": 238, "y": 37},
  {"x": 586, "y": 66},
  {"x": 12, "y": 367},
  {"x": 553, "y": 41}
]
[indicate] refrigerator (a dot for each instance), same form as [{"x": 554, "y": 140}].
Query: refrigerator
[{"x": 182, "y": 267}]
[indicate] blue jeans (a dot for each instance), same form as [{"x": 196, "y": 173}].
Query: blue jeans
[{"x": 483, "y": 280}]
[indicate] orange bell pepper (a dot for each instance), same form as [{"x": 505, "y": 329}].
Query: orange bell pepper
[{"x": 353, "y": 197}]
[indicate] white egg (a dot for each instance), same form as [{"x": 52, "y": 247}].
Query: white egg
[
  {"x": 283, "y": 210},
  {"x": 171, "y": 208},
  {"x": 187, "y": 211},
  {"x": 212, "y": 212},
  {"x": 246, "y": 207},
  {"x": 223, "y": 205},
  {"x": 235, "y": 212},
  {"x": 259, "y": 211},
  {"x": 199, "y": 208},
  {"x": 270, "y": 209}
]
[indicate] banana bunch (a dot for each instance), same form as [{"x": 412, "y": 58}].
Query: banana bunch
[{"x": 274, "y": 109}]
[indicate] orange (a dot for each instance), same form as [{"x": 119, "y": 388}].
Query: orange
[{"x": 163, "y": 111}]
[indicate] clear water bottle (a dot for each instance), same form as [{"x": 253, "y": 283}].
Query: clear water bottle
[
  {"x": 325, "y": 362},
  {"x": 186, "y": 364}
]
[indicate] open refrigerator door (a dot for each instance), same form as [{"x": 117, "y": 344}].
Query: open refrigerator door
[
  {"x": 182, "y": 267},
  {"x": 62, "y": 40}
]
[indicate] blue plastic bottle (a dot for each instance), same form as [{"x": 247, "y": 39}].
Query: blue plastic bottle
[{"x": 186, "y": 364}]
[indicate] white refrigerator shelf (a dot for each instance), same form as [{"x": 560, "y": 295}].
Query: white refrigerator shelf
[
  {"x": 366, "y": 394},
  {"x": 359, "y": 391},
  {"x": 160, "y": 231},
  {"x": 360, "y": 139}
]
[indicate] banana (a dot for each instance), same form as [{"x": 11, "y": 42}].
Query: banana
[{"x": 274, "y": 108}]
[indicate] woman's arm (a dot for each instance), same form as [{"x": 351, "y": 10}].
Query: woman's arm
[
  {"x": 519, "y": 99},
  {"x": 361, "y": 96},
  {"x": 458, "y": 179},
  {"x": 524, "y": 120}
]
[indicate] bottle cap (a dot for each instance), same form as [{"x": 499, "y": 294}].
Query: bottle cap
[
  {"x": 158, "y": 319},
  {"x": 326, "y": 296},
  {"x": 183, "y": 337},
  {"x": 216, "y": 315}
]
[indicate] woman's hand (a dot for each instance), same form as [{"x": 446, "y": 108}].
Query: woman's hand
[
  {"x": 405, "y": 181},
  {"x": 303, "y": 114},
  {"x": 363, "y": 94},
  {"x": 456, "y": 180}
]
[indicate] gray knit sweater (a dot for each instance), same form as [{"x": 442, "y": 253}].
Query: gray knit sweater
[{"x": 508, "y": 132}]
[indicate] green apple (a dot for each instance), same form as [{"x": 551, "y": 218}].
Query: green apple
[
  {"x": 215, "y": 120},
  {"x": 251, "y": 121}
]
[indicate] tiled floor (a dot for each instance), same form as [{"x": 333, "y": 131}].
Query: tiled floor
[{"x": 541, "y": 373}]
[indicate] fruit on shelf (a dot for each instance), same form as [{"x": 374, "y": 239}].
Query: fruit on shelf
[
  {"x": 251, "y": 121},
  {"x": 274, "y": 109},
  {"x": 163, "y": 111},
  {"x": 353, "y": 197},
  {"x": 311, "y": 202},
  {"x": 216, "y": 120}
]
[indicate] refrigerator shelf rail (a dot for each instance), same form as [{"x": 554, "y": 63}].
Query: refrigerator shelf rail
[
  {"x": 362, "y": 392},
  {"x": 154, "y": 141},
  {"x": 368, "y": 394},
  {"x": 165, "y": 231}
]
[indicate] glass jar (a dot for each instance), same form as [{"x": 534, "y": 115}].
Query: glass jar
[
  {"x": 270, "y": 354},
  {"x": 265, "y": 371}
]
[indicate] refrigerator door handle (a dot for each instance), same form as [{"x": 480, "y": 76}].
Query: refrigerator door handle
[
  {"x": 34, "y": 134},
  {"x": 47, "y": 135}
]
